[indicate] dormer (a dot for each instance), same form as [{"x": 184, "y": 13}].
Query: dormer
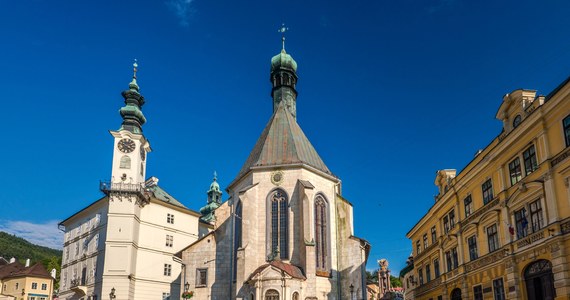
[
  {"x": 443, "y": 180},
  {"x": 516, "y": 106}
]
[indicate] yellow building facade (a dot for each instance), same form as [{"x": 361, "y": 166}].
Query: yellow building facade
[
  {"x": 499, "y": 229},
  {"x": 25, "y": 283}
]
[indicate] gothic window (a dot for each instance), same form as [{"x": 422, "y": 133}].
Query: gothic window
[
  {"x": 271, "y": 295},
  {"x": 321, "y": 233},
  {"x": 125, "y": 162},
  {"x": 295, "y": 296},
  {"x": 279, "y": 224},
  {"x": 237, "y": 235}
]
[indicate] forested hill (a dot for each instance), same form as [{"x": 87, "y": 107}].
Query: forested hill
[{"x": 13, "y": 246}]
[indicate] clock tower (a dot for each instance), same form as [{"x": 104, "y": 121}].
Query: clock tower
[{"x": 131, "y": 146}]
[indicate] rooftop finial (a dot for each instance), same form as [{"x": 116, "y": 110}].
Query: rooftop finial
[
  {"x": 283, "y": 29},
  {"x": 135, "y": 66},
  {"x": 215, "y": 175}
]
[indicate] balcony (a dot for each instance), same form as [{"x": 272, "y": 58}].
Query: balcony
[
  {"x": 78, "y": 286},
  {"x": 122, "y": 188}
]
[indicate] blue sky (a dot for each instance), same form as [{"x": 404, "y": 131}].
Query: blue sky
[{"x": 389, "y": 92}]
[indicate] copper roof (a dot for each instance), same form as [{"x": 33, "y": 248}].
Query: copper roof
[{"x": 283, "y": 142}]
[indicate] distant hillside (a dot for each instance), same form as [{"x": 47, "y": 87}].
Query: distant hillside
[{"x": 13, "y": 246}]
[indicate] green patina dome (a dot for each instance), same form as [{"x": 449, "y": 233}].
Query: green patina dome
[
  {"x": 215, "y": 187},
  {"x": 283, "y": 60}
]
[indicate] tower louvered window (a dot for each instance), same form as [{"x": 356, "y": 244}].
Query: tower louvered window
[
  {"x": 321, "y": 233},
  {"x": 279, "y": 224}
]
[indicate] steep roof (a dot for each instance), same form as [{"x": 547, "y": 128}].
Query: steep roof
[{"x": 283, "y": 142}]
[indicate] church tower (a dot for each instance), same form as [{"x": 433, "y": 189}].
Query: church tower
[
  {"x": 283, "y": 77},
  {"x": 214, "y": 201},
  {"x": 131, "y": 146}
]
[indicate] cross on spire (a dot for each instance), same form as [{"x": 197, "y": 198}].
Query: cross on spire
[{"x": 283, "y": 29}]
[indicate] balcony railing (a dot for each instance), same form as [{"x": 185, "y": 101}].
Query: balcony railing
[{"x": 138, "y": 189}]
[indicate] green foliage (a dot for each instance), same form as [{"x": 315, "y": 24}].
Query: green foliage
[
  {"x": 395, "y": 281},
  {"x": 13, "y": 246},
  {"x": 372, "y": 277}
]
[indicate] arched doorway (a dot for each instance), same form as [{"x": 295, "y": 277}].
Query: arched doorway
[
  {"x": 456, "y": 294},
  {"x": 539, "y": 280},
  {"x": 271, "y": 295}
]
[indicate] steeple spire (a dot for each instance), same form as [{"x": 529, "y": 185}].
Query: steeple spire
[
  {"x": 283, "y": 78},
  {"x": 214, "y": 201},
  {"x": 133, "y": 117}
]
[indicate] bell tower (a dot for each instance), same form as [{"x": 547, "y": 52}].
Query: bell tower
[
  {"x": 130, "y": 147},
  {"x": 283, "y": 77}
]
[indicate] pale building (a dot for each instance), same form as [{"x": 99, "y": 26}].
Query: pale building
[
  {"x": 285, "y": 232},
  {"x": 30, "y": 282},
  {"x": 121, "y": 246}
]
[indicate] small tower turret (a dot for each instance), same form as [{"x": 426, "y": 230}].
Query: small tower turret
[
  {"x": 283, "y": 77},
  {"x": 214, "y": 201},
  {"x": 133, "y": 117}
]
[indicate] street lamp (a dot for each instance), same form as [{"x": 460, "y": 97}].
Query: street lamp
[
  {"x": 186, "y": 286},
  {"x": 112, "y": 293}
]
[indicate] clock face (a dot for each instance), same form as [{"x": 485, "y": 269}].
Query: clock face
[
  {"x": 126, "y": 145},
  {"x": 143, "y": 153}
]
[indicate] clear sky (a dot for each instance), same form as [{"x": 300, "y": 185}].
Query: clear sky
[{"x": 389, "y": 92}]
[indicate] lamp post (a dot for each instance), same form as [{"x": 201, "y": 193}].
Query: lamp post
[
  {"x": 112, "y": 294},
  {"x": 186, "y": 286}
]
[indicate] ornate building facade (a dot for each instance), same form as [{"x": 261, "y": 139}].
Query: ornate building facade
[
  {"x": 499, "y": 229},
  {"x": 285, "y": 232}
]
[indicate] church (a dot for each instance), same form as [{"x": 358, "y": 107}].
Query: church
[{"x": 285, "y": 231}]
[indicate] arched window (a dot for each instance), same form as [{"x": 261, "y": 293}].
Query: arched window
[
  {"x": 271, "y": 295},
  {"x": 237, "y": 235},
  {"x": 517, "y": 121},
  {"x": 279, "y": 223},
  {"x": 321, "y": 233},
  {"x": 125, "y": 162},
  {"x": 295, "y": 296}
]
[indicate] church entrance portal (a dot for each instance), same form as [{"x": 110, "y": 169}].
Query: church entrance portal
[
  {"x": 456, "y": 294},
  {"x": 539, "y": 280}
]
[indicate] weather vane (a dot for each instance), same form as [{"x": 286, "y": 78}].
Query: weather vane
[
  {"x": 135, "y": 66},
  {"x": 283, "y": 29}
]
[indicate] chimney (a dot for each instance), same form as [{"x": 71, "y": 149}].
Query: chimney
[
  {"x": 12, "y": 260},
  {"x": 27, "y": 263}
]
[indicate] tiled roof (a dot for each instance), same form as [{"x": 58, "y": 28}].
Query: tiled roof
[
  {"x": 16, "y": 269},
  {"x": 283, "y": 142},
  {"x": 290, "y": 269}
]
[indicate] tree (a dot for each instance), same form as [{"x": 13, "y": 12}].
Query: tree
[
  {"x": 395, "y": 281},
  {"x": 372, "y": 276}
]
